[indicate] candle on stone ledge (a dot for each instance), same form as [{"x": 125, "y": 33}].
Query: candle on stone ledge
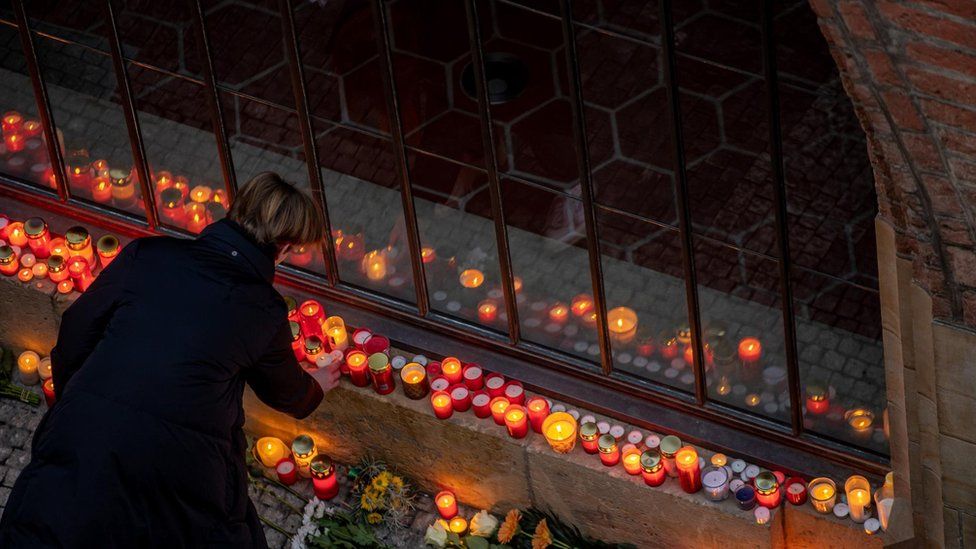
[
  {"x": 622, "y": 323},
  {"x": 884, "y": 500},
  {"x": 750, "y": 350},
  {"x": 38, "y": 237},
  {"x": 471, "y": 278},
  {"x": 495, "y": 385},
  {"x": 559, "y": 313},
  {"x": 609, "y": 453},
  {"x": 458, "y": 525},
  {"x": 123, "y": 188},
  {"x": 303, "y": 449},
  {"x": 858, "y": 491},
  {"x": 25, "y": 275},
  {"x": 589, "y": 435},
  {"x": 428, "y": 254},
  {"x": 197, "y": 217},
  {"x": 66, "y": 286},
  {"x": 669, "y": 347},
  {"x": 817, "y": 402},
  {"x": 689, "y": 472},
  {"x": 78, "y": 241},
  {"x": 823, "y": 494},
  {"x": 860, "y": 420},
  {"x": 481, "y": 404},
  {"x": 768, "y": 493},
  {"x": 669, "y": 447},
  {"x": 297, "y": 341},
  {"x": 415, "y": 384},
  {"x": 631, "y": 459},
  {"x": 324, "y": 480},
  {"x": 13, "y": 121},
  {"x": 16, "y": 235},
  {"x": 559, "y": 428},
  {"x": 446, "y": 504},
  {"x": 487, "y": 311},
  {"x": 313, "y": 348},
  {"x": 335, "y": 330},
  {"x": 460, "y": 398},
  {"x": 27, "y": 364},
  {"x": 538, "y": 409},
  {"x": 374, "y": 265},
  {"x": 311, "y": 314},
  {"x": 44, "y": 368},
  {"x": 201, "y": 194},
  {"x": 652, "y": 468},
  {"x": 473, "y": 376},
  {"x": 80, "y": 273},
  {"x": 451, "y": 369},
  {"x": 440, "y": 401},
  {"x": 14, "y": 142},
  {"x": 381, "y": 373},
  {"x": 360, "y": 336},
  {"x": 581, "y": 305},
  {"x": 745, "y": 497},
  {"x": 796, "y": 491},
  {"x": 101, "y": 190},
  {"x": 715, "y": 482},
  {"x": 498, "y": 406},
  {"x": 287, "y": 471},
  {"x": 39, "y": 270},
  {"x": 376, "y": 344},
  {"x": 9, "y": 263},
  {"x": 516, "y": 421},
  {"x": 108, "y": 248},
  {"x": 270, "y": 450},
  {"x": 515, "y": 393},
  {"x": 49, "y": 395}
]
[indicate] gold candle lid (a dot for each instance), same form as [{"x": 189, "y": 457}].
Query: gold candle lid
[
  {"x": 303, "y": 445},
  {"x": 650, "y": 461},
  {"x": 378, "y": 362},
  {"x": 321, "y": 466},
  {"x": 683, "y": 333},
  {"x": 296, "y": 330},
  {"x": 108, "y": 244},
  {"x": 607, "y": 444},
  {"x": 171, "y": 197},
  {"x": 670, "y": 446},
  {"x": 589, "y": 431},
  {"x": 77, "y": 237},
  {"x": 34, "y": 227},
  {"x": 313, "y": 344},
  {"x": 7, "y": 255},
  {"x": 816, "y": 391},
  {"x": 120, "y": 178},
  {"x": 766, "y": 483},
  {"x": 55, "y": 264}
]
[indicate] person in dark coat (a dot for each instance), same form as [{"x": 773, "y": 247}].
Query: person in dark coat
[{"x": 144, "y": 447}]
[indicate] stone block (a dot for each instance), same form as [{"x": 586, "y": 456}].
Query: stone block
[
  {"x": 957, "y": 415},
  {"x": 967, "y": 525},
  {"x": 955, "y": 367},
  {"x": 958, "y": 473},
  {"x": 804, "y": 527},
  {"x": 27, "y": 317}
]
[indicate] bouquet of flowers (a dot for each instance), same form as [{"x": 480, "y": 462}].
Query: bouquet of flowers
[{"x": 381, "y": 495}]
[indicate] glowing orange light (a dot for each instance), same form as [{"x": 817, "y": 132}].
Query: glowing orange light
[{"x": 471, "y": 278}]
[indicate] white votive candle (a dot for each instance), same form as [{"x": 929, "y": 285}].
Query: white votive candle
[{"x": 27, "y": 364}]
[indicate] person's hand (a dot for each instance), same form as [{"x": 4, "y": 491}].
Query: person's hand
[{"x": 328, "y": 377}]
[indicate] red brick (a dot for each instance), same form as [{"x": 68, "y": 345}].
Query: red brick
[
  {"x": 823, "y": 8},
  {"x": 960, "y": 8},
  {"x": 929, "y": 25},
  {"x": 881, "y": 67},
  {"x": 856, "y": 19},
  {"x": 902, "y": 110},
  {"x": 941, "y": 307},
  {"x": 949, "y": 59},
  {"x": 950, "y": 115},
  {"x": 969, "y": 307},
  {"x": 958, "y": 142},
  {"x": 964, "y": 170},
  {"x": 941, "y": 86},
  {"x": 923, "y": 151},
  {"x": 963, "y": 264},
  {"x": 956, "y": 232},
  {"x": 945, "y": 201}
]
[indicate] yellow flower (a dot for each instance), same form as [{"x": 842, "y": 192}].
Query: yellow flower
[
  {"x": 510, "y": 527},
  {"x": 397, "y": 483},
  {"x": 381, "y": 481},
  {"x": 366, "y": 503},
  {"x": 374, "y": 518},
  {"x": 542, "y": 537}
]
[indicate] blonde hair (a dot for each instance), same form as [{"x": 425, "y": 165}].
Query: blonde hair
[{"x": 276, "y": 212}]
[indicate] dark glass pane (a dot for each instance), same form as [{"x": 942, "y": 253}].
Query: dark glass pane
[
  {"x": 742, "y": 323},
  {"x": 91, "y": 126},
  {"x": 458, "y": 238},
  {"x": 181, "y": 149},
  {"x": 551, "y": 265},
  {"x": 366, "y": 211},
  {"x": 76, "y": 20},
  {"x": 161, "y": 34},
  {"x": 643, "y": 273},
  {"x": 342, "y": 67},
  {"x": 25, "y": 153},
  {"x": 248, "y": 49},
  {"x": 841, "y": 360}
]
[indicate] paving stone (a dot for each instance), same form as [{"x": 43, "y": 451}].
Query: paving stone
[{"x": 4, "y": 495}]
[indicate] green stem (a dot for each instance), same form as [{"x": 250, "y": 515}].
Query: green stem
[
  {"x": 276, "y": 527},
  {"x": 282, "y": 486}
]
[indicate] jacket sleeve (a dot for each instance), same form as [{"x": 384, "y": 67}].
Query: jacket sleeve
[
  {"x": 85, "y": 320},
  {"x": 280, "y": 382}
]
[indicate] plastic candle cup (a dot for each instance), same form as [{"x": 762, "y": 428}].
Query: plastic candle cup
[
  {"x": 108, "y": 247},
  {"x": 374, "y": 265},
  {"x": 287, "y": 471},
  {"x": 609, "y": 453},
  {"x": 745, "y": 497},
  {"x": 44, "y": 368},
  {"x": 589, "y": 433},
  {"x": 669, "y": 447},
  {"x": 381, "y": 373},
  {"x": 335, "y": 331},
  {"x": 689, "y": 473},
  {"x": 516, "y": 421},
  {"x": 439, "y": 383},
  {"x": 487, "y": 311},
  {"x": 39, "y": 270},
  {"x": 559, "y": 313},
  {"x": 270, "y": 450},
  {"x": 297, "y": 341},
  {"x": 13, "y": 121},
  {"x": 123, "y": 188},
  {"x": 376, "y": 344},
  {"x": 632, "y": 459},
  {"x": 360, "y": 336},
  {"x": 823, "y": 494},
  {"x": 313, "y": 348},
  {"x": 49, "y": 397},
  {"x": 25, "y": 275},
  {"x": 66, "y": 286},
  {"x": 451, "y": 369},
  {"x": 652, "y": 468},
  {"x": 860, "y": 421},
  {"x": 559, "y": 428},
  {"x": 715, "y": 482},
  {"x": 884, "y": 500},
  {"x": 458, "y": 525},
  {"x": 358, "y": 370},
  {"x": 495, "y": 385},
  {"x": 515, "y": 393},
  {"x": 446, "y": 504},
  {"x": 78, "y": 241},
  {"x": 858, "y": 491},
  {"x": 440, "y": 401},
  {"x": 581, "y": 305},
  {"x": 16, "y": 235},
  {"x": 414, "y": 378},
  {"x": 27, "y": 364},
  {"x": 622, "y": 323},
  {"x": 471, "y": 278},
  {"x": 101, "y": 190},
  {"x": 460, "y": 398},
  {"x": 719, "y": 460},
  {"x": 796, "y": 490},
  {"x": 9, "y": 263},
  {"x": 428, "y": 254},
  {"x": 201, "y": 194},
  {"x": 80, "y": 272},
  {"x": 324, "y": 480},
  {"x": 474, "y": 379},
  {"x": 768, "y": 493},
  {"x": 480, "y": 403},
  {"x": 538, "y": 408},
  {"x": 817, "y": 402},
  {"x": 750, "y": 350},
  {"x": 498, "y": 406},
  {"x": 38, "y": 237},
  {"x": 311, "y": 314},
  {"x": 303, "y": 449}
]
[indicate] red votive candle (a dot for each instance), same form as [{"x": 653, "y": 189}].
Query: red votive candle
[
  {"x": 451, "y": 369},
  {"x": 48, "y": 388},
  {"x": 433, "y": 369},
  {"x": 108, "y": 248},
  {"x": 310, "y": 316},
  {"x": 9, "y": 263},
  {"x": 376, "y": 344},
  {"x": 287, "y": 471},
  {"x": 631, "y": 456},
  {"x": 360, "y": 337},
  {"x": 516, "y": 421},
  {"x": 38, "y": 237},
  {"x": 481, "y": 404},
  {"x": 796, "y": 490},
  {"x": 498, "y": 407},
  {"x": 609, "y": 453},
  {"x": 358, "y": 369},
  {"x": 750, "y": 350},
  {"x": 440, "y": 383},
  {"x": 324, "y": 480},
  {"x": 768, "y": 493},
  {"x": 297, "y": 341},
  {"x": 446, "y": 504},
  {"x": 80, "y": 273},
  {"x": 817, "y": 401},
  {"x": 473, "y": 377},
  {"x": 515, "y": 393},
  {"x": 538, "y": 408},
  {"x": 381, "y": 372},
  {"x": 487, "y": 311},
  {"x": 313, "y": 348},
  {"x": 495, "y": 385},
  {"x": 652, "y": 468},
  {"x": 440, "y": 401},
  {"x": 669, "y": 348},
  {"x": 689, "y": 473},
  {"x": 589, "y": 437},
  {"x": 461, "y": 398}
]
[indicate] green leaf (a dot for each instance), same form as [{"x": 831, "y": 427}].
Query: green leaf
[{"x": 474, "y": 542}]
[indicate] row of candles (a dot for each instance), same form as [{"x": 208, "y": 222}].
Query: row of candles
[{"x": 33, "y": 369}]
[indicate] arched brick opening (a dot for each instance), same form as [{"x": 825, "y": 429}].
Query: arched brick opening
[{"x": 910, "y": 69}]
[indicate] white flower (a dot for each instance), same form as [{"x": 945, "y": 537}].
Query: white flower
[
  {"x": 483, "y": 524},
  {"x": 436, "y": 535}
]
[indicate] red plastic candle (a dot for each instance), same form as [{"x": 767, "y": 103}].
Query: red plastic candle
[
  {"x": 324, "y": 480},
  {"x": 516, "y": 421},
  {"x": 582, "y": 304},
  {"x": 487, "y": 311},
  {"x": 381, "y": 372},
  {"x": 768, "y": 493},
  {"x": 451, "y": 369},
  {"x": 461, "y": 398},
  {"x": 360, "y": 337},
  {"x": 817, "y": 401},
  {"x": 9, "y": 263},
  {"x": 498, "y": 407},
  {"x": 14, "y": 142},
  {"x": 796, "y": 490},
  {"x": 16, "y": 235},
  {"x": 481, "y": 404},
  {"x": 377, "y": 344},
  {"x": 669, "y": 348},
  {"x": 652, "y": 468},
  {"x": 631, "y": 456},
  {"x": 750, "y": 350},
  {"x": 440, "y": 401},
  {"x": 48, "y": 388},
  {"x": 108, "y": 248},
  {"x": 446, "y": 504},
  {"x": 13, "y": 121},
  {"x": 689, "y": 473},
  {"x": 80, "y": 273},
  {"x": 609, "y": 453},
  {"x": 101, "y": 189},
  {"x": 311, "y": 314},
  {"x": 559, "y": 313},
  {"x": 689, "y": 355},
  {"x": 538, "y": 409},
  {"x": 440, "y": 383},
  {"x": 287, "y": 471},
  {"x": 589, "y": 437},
  {"x": 473, "y": 377},
  {"x": 38, "y": 237},
  {"x": 358, "y": 369},
  {"x": 433, "y": 369},
  {"x": 515, "y": 393},
  {"x": 495, "y": 385}
]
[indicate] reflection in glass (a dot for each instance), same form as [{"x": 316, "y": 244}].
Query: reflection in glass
[
  {"x": 643, "y": 273},
  {"x": 161, "y": 34},
  {"x": 24, "y": 151},
  {"x": 91, "y": 125},
  {"x": 76, "y": 20},
  {"x": 181, "y": 149}
]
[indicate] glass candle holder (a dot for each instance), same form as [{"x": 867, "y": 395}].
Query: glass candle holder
[
  {"x": 27, "y": 363},
  {"x": 108, "y": 248},
  {"x": 516, "y": 421},
  {"x": 287, "y": 472},
  {"x": 823, "y": 494},
  {"x": 9, "y": 263},
  {"x": 858, "y": 491},
  {"x": 270, "y": 450},
  {"x": 360, "y": 336},
  {"x": 471, "y": 278},
  {"x": 559, "y": 428},
  {"x": 498, "y": 406},
  {"x": 440, "y": 401},
  {"x": 303, "y": 449},
  {"x": 414, "y": 378},
  {"x": 335, "y": 332},
  {"x": 44, "y": 368},
  {"x": 78, "y": 241},
  {"x": 745, "y": 498},
  {"x": 123, "y": 188},
  {"x": 358, "y": 370},
  {"x": 297, "y": 341},
  {"x": 689, "y": 471},
  {"x": 631, "y": 458},
  {"x": 38, "y": 237},
  {"x": 669, "y": 447},
  {"x": 652, "y": 468},
  {"x": 80, "y": 271},
  {"x": 451, "y": 369},
  {"x": 381, "y": 373},
  {"x": 481, "y": 404},
  {"x": 715, "y": 482},
  {"x": 609, "y": 453},
  {"x": 446, "y": 504},
  {"x": 622, "y": 323},
  {"x": 538, "y": 409},
  {"x": 884, "y": 500},
  {"x": 324, "y": 480},
  {"x": 796, "y": 490},
  {"x": 474, "y": 377},
  {"x": 313, "y": 348},
  {"x": 860, "y": 421},
  {"x": 768, "y": 493},
  {"x": 460, "y": 398},
  {"x": 49, "y": 396},
  {"x": 589, "y": 435},
  {"x": 292, "y": 306},
  {"x": 311, "y": 314},
  {"x": 817, "y": 401}
]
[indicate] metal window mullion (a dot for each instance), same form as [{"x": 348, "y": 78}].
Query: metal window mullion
[
  {"x": 683, "y": 203},
  {"x": 213, "y": 101},
  {"x": 494, "y": 182},
  {"x": 43, "y": 102},
  {"x": 586, "y": 187},
  {"x": 782, "y": 230},
  {"x": 290, "y": 40},
  {"x": 131, "y": 118},
  {"x": 382, "y": 27}
]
